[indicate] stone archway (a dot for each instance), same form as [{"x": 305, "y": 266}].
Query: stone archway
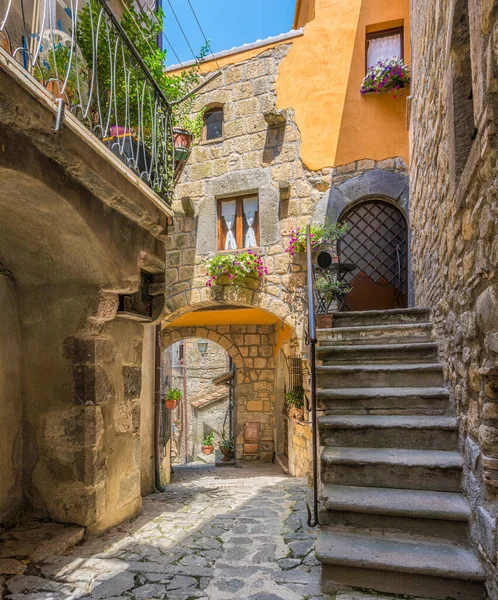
[{"x": 252, "y": 348}]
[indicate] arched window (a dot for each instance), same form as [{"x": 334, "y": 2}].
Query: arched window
[{"x": 213, "y": 123}]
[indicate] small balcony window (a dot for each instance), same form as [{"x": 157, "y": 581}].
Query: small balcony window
[
  {"x": 381, "y": 45},
  {"x": 238, "y": 223},
  {"x": 213, "y": 123}
]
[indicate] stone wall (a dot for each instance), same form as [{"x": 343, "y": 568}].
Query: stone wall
[
  {"x": 76, "y": 228},
  {"x": 10, "y": 399},
  {"x": 260, "y": 154},
  {"x": 454, "y": 213},
  {"x": 251, "y": 348}
]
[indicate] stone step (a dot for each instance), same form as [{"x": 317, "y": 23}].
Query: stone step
[
  {"x": 415, "y": 513},
  {"x": 386, "y": 431},
  {"x": 392, "y": 400},
  {"x": 384, "y": 334},
  {"x": 396, "y": 375},
  {"x": 424, "y": 352},
  {"x": 433, "y": 470},
  {"x": 381, "y": 317},
  {"x": 399, "y": 566}
]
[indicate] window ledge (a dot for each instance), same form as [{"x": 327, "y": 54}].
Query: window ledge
[
  {"x": 213, "y": 141},
  {"x": 253, "y": 249}
]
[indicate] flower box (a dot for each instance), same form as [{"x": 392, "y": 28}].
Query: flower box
[
  {"x": 388, "y": 75},
  {"x": 246, "y": 268}
]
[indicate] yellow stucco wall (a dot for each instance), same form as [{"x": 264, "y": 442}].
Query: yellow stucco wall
[{"x": 320, "y": 79}]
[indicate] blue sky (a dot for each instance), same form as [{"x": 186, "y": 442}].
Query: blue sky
[{"x": 226, "y": 23}]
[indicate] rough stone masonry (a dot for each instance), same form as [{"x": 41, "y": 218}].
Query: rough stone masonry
[{"x": 454, "y": 215}]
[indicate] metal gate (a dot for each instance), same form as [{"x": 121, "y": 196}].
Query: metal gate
[{"x": 376, "y": 243}]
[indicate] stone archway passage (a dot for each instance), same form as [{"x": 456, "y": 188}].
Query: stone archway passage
[{"x": 376, "y": 243}]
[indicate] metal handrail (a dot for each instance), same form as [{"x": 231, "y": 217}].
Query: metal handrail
[{"x": 312, "y": 521}]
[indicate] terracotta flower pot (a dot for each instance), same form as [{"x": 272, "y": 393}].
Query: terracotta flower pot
[
  {"x": 227, "y": 454},
  {"x": 171, "y": 404},
  {"x": 182, "y": 138},
  {"x": 324, "y": 321},
  {"x": 207, "y": 449},
  {"x": 54, "y": 88}
]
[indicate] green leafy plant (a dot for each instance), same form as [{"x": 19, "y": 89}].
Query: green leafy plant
[
  {"x": 174, "y": 394},
  {"x": 142, "y": 28},
  {"x": 208, "y": 439},
  {"x": 226, "y": 443},
  {"x": 295, "y": 397},
  {"x": 331, "y": 289},
  {"x": 319, "y": 234},
  {"x": 236, "y": 267}
]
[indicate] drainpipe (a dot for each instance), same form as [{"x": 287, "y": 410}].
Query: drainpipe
[
  {"x": 157, "y": 411},
  {"x": 185, "y": 408}
]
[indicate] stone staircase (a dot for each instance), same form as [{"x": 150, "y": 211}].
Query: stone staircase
[{"x": 393, "y": 517}]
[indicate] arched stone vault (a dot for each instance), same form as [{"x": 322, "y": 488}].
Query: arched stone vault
[{"x": 251, "y": 347}]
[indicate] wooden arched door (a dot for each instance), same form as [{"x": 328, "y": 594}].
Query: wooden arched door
[{"x": 377, "y": 243}]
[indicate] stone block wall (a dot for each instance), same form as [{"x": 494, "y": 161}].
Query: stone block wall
[{"x": 454, "y": 216}]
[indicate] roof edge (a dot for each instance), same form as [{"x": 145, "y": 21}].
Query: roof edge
[{"x": 282, "y": 37}]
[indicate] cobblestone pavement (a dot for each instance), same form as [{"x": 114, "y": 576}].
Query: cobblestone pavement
[{"x": 218, "y": 534}]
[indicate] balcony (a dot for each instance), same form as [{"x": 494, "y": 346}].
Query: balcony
[{"x": 93, "y": 70}]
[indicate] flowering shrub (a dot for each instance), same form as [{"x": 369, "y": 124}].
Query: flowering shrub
[
  {"x": 235, "y": 266},
  {"x": 387, "y": 75},
  {"x": 319, "y": 233}
]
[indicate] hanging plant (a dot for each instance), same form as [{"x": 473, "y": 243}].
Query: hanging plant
[
  {"x": 172, "y": 398},
  {"x": 233, "y": 269},
  {"x": 387, "y": 75},
  {"x": 319, "y": 234}
]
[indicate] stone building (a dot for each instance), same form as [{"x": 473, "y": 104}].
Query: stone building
[
  {"x": 80, "y": 235},
  {"x": 190, "y": 366},
  {"x": 264, "y": 148},
  {"x": 454, "y": 215}
]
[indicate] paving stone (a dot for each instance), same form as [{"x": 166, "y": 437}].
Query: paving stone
[
  {"x": 182, "y": 581},
  {"x": 235, "y": 541},
  {"x": 289, "y": 563},
  {"x": 11, "y": 566},
  {"x": 302, "y": 547},
  {"x": 115, "y": 586},
  {"x": 150, "y": 591}
]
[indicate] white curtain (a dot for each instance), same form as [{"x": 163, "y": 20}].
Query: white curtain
[
  {"x": 382, "y": 48},
  {"x": 228, "y": 211},
  {"x": 250, "y": 210}
]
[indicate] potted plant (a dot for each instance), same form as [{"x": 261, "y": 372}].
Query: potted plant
[
  {"x": 172, "y": 398},
  {"x": 226, "y": 448},
  {"x": 234, "y": 269},
  {"x": 387, "y": 75},
  {"x": 329, "y": 290},
  {"x": 207, "y": 443},
  {"x": 320, "y": 234},
  {"x": 294, "y": 400}
]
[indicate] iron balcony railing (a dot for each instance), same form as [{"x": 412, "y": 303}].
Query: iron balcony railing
[{"x": 82, "y": 54}]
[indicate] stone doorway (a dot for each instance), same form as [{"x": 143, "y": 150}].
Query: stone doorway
[
  {"x": 204, "y": 373},
  {"x": 377, "y": 243}
]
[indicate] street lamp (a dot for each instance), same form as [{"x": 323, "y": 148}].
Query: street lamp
[{"x": 203, "y": 346}]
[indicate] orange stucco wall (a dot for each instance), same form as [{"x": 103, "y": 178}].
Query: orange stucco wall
[{"x": 320, "y": 79}]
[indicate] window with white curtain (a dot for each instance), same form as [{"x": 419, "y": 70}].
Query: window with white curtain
[
  {"x": 238, "y": 223},
  {"x": 381, "y": 45}
]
